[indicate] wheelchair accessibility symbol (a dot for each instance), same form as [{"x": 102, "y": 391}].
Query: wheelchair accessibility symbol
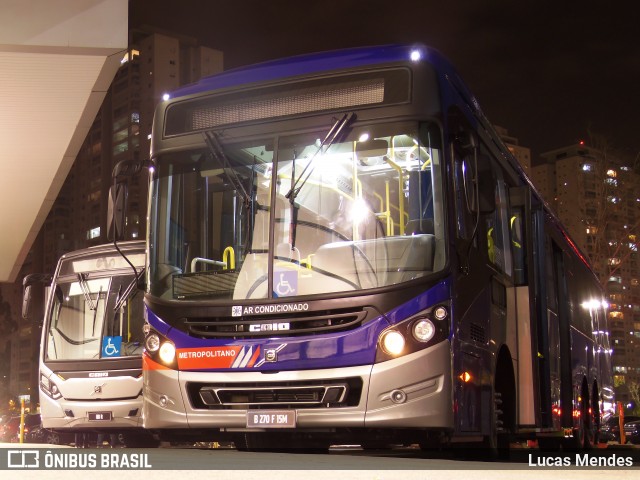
[
  {"x": 111, "y": 346},
  {"x": 285, "y": 283}
]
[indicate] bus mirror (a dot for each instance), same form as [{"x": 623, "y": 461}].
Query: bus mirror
[
  {"x": 116, "y": 211},
  {"x": 26, "y": 302},
  {"x": 27, "y": 291},
  {"x": 487, "y": 187},
  {"x": 485, "y": 183}
]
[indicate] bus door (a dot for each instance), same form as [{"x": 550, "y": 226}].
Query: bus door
[{"x": 522, "y": 247}]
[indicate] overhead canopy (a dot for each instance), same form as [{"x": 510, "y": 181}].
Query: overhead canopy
[{"x": 57, "y": 60}]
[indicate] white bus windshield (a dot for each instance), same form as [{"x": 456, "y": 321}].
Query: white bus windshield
[
  {"x": 84, "y": 325},
  {"x": 293, "y": 215}
]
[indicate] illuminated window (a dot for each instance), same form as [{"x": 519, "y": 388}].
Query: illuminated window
[
  {"x": 93, "y": 233},
  {"x": 591, "y": 230},
  {"x": 612, "y": 173},
  {"x": 587, "y": 167}
]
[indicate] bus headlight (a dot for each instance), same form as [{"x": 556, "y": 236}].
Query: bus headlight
[
  {"x": 50, "y": 388},
  {"x": 152, "y": 343},
  {"x": 419, "y": 331},
  {"x": 392, "y": 342},
  {"x": 167, "y": 352},
  {"x": 423, "y": 330}
]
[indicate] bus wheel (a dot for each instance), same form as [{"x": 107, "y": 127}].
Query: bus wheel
[
  {"x": 583, "y": 434},
  {"x": 503, "y": 408},
  {"x": 53, "y": 438}
]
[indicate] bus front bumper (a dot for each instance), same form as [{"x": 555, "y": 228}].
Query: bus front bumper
[
  {"x": 413, "y": 391},
  {"x": 108, "y": 414}
]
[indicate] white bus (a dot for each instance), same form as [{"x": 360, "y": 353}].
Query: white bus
[{"x": 92, "y": 341}]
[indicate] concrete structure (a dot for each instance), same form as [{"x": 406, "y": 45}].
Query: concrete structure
[
  {"x": 58, "y": 58},
  {"x": 597, "y": 197},
  {"x": 154, "y": 64}
]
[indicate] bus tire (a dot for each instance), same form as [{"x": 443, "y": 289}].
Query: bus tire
[{"x": 503, "y": 408}]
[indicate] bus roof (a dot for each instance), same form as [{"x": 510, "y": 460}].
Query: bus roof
[{"x": 314, "y": 63}]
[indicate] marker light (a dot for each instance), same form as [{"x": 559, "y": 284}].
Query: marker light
[
  {"x": 440, "y": 313},
  {"x": 167, "y": 352},
  {"x": 423, "y": 330},
  {"x": 152, "y": 343},
  {"x": 415, "y": 55},
  {"x": 165, "y": 97},
  {"x": 393, "y": 342}
]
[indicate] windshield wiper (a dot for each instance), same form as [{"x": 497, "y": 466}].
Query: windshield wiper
[
  {"x": 331, "y": 137},
  {"x": 86, "y": 292},
  {"x": 248, "y": 199},
  {"x": 122, "y": 298},
  {"x": 213, "y": 144}
]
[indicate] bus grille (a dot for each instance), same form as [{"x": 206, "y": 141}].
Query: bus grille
[
  {"x": 298, "y": 394},
  {"x": 307, "y": 323}
]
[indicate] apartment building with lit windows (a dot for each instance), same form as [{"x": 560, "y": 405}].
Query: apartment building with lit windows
[{"x": 597, "y": 197}]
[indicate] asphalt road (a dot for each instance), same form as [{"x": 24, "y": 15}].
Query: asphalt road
[{"x": 343, "y": 462}]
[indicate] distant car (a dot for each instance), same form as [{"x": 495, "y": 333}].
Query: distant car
[
  {"x": 9, "y": 428},
  {"x": 610, "y": 429},
  {"x": 10, "y": 431},
  {"x": 632, "y": 431},
  {"x": 39, "y": 434}
]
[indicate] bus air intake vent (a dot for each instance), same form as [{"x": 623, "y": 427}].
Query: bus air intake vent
[
  {"x": 291, "y": 324},
  {"x": 476, "y": 332},
  {"x": 293, "y": 394}
]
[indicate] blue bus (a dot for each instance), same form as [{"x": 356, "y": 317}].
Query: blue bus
[{"x": 342, "y": 250}]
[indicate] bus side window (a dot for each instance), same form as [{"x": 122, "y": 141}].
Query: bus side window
[{"x": 497, "y": 228}]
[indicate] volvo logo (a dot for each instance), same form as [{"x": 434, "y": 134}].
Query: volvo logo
[{"x": 270, "y": 355}]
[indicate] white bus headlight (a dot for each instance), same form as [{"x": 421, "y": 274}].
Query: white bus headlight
[
  {"x": 167, "y": 352},
  {"x": 152, "y": 343},
  {"x": 393, "y": 342},
  {"x": 49, "y": 387},
  {"x": 423, "y": 330}
]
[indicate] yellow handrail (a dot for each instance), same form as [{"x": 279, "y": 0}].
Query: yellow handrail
[{"x": 229, "y": 257}]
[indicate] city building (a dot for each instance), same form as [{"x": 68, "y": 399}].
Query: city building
[
  {"x": 156, "y": 63},
  {"x": 597, "y": 197}
]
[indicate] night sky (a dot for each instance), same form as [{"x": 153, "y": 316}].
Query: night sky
[{"x": 549, "y": 72}]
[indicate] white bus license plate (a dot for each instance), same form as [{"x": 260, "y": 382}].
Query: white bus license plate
[
  {"x": 99, "y": 416},
  {"x": 271, "y": 419}
]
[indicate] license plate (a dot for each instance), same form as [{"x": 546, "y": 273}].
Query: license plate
[
  {"x": 271, "y": 419},
  {"x": 99, "y": 416}
]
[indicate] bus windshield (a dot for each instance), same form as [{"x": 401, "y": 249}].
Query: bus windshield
[
  {"x": 84, "y": 325},
  {"x": 298, "y": 215}
]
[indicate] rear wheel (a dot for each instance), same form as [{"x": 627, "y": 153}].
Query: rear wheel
[{"x": 583, "y": 433}]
